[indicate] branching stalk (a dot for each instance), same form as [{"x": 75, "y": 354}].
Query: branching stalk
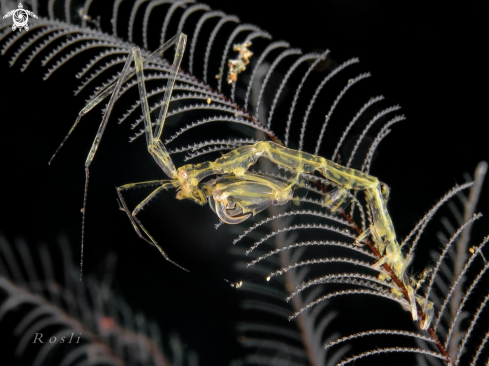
[{"x": 393, "y": 276}]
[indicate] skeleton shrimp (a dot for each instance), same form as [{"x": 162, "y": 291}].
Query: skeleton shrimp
[{"x": 235, "y": 194}]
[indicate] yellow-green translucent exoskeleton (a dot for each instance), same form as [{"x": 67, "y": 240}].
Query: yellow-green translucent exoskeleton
[{"x": 234, "y": 193}]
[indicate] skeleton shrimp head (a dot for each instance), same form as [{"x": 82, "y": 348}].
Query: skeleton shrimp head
[
  {"x": 235, "y": 199},
  {"x": 187, "y": 181}
]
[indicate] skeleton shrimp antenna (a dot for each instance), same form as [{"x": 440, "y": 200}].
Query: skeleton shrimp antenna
[{"x": 83, "y": 222}]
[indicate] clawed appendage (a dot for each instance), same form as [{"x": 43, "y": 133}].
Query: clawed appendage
[{"x": 234, "y": 193}]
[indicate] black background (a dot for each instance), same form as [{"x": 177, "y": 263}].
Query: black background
[{"x": 427, "y": 57}]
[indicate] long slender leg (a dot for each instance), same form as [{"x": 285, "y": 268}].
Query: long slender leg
[
  {"x": 157, "y": 150},
  {"x": 165, "y": 184},
  {"x": 155, "y": 146},
  {"x": 95, "y": 144},
  {"x": 180, "y": 49},
  {"x": 111, "y": 88},
  {"x": 132, "y": 216}
]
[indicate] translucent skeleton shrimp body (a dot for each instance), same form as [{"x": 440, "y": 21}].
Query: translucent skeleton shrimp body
[{"x": 235, "y": 194}]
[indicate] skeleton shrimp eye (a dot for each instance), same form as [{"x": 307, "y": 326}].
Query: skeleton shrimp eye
[{"x": 183, "y": 174}]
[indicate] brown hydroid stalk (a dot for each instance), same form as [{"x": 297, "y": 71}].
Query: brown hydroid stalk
[
  {"x": 393, "y": 276},
  {"x": 387, "y": 267},
  {"x": 401, "y": 286}
]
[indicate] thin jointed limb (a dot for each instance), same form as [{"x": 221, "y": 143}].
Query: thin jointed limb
[
  {"x": 114, "y": 89},
  {"x": 165, "y": 185},
  {"x": 155, "y": 147}
]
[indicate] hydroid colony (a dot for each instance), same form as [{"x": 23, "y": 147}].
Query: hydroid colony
[{"x": 278, "y": 85}]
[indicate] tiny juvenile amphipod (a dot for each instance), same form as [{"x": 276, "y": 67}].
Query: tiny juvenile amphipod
[{"x": 239, "y": 65}]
